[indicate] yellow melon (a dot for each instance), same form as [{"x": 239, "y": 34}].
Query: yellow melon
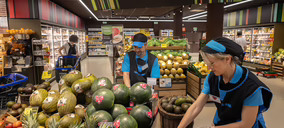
[
  {"x": 170, "y": 57},
  {"x": 159, "y": 56},
  {"x": 177, "y": 76},
  {"x": 171, "y": 76},
  {"x": 182, "y": 76},
  {"x": 163, "y": 65},
  {"x": 179, "y": 59},
  {"x": 165, "y": 76},
  {"x": 186, "y": 62},
  {"x": 185, "y": 56},
  {"x": 176, "y": 65},
  {"x": 167, "y": 71},
  {"x": 162, "y": 71},
  {"x": 173, "y": 71},
  {"x": 179, "y": 71},
  {"x": 165, "y": 58}
]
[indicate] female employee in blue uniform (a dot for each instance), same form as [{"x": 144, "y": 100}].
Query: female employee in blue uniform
[
  {"x": 139, "y": 64},
  {"x": 240, "y": 97}
]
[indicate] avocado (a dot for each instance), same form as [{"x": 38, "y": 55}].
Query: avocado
[
  {"x": 10, "y": 104},
  {"x": 169, "y": 108},
  {"x": 178, "y": 110},
  {"x": 180, "y": 101},
  {"x": 172, "y": 101},
  {"x": 20, "y": 90},
  {"x": 185, "y": 106},
  {"x": 20, "y": 110},
  {"x": 174, "y": 106},
  {"x": 164, "y": 105},
  {"x": 164, "y": 101},
  {"x": 189, "y": 100},
  {"x": 14, "y": 113},
  {"x": 16, "y": 106}
]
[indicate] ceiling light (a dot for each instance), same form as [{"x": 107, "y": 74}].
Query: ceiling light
[
  {"x": 200, "y": 4},
  {"x": 189, "y": 7},
  {"x": 174, "y": 13},
  {"x": 238, "y": 3},
  {"x": 182, "y": 6},
  {"x": 197, "y": 10},
  {"x": 88, "y": 9},
  {"x": 152, "y": 20},
  {"x": 197, "y": 17},
  {"x": 180, "y": 11}
]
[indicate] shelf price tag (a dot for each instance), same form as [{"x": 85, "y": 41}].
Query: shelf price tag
[
  {"x": 164, "y": 45},
  {"x": 46, "y": 75}
]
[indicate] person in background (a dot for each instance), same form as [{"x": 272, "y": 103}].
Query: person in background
[
  {"x": 70, "y": 48},
  {"x": 242, "y": 42},
  {"x": 240, "y": 97},
  {"x": 139, "y": 64}
]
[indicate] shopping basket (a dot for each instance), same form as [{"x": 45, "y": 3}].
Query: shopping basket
[
  {"x": 8, "y": 91},
  {"x": 62, "y": 63}
]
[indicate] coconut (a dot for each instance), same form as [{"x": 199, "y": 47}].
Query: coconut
[
  {"x": 37, "y": 97},
  {"x": 66, "y": 103},
  {"x": 49, "y": 105}
]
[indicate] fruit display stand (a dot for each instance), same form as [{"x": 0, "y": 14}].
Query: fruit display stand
[{"x": 278, "y": 68}]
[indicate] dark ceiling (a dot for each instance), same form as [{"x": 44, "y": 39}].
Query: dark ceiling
[{"x": 156, "y": 9}]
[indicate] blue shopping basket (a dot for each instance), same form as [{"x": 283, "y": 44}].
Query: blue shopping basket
[
  {"x": 8, "y": 92},
  {"x": 61, "y": 71}
]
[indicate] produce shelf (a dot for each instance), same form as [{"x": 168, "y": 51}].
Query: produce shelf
[{"x": 167, "y": 48}]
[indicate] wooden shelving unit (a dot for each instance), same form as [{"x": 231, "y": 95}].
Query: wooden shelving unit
[{"x": 278, "y": 67}]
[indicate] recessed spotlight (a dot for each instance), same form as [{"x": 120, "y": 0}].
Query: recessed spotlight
[
  {"x": 182, "y": 6},
  {"x": 174, "y": 13},
  {"x": 180, "y": 11},
  {"x": 90, "y": 17}
]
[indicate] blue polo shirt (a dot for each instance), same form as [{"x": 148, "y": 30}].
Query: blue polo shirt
[{"x": 155, "y": 68}]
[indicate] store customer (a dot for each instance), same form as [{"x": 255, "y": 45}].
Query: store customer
[
  {"x": 70, "y": 48},
  {"x": 240, "y": 97},
  {"x": 242, "y": 42},
  {"x": 139, "y": 64}
]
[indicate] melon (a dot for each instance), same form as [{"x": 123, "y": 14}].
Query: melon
[
  {"x": 170, "y": 57},
  {"x": 140, "y": 93},
  {"x": 165, "y": 58},
  {"x": 163, "y": 65},
  {"x": 182, "y": 76},
  {"x": 176, "y": 65},
  {"x": 69, "y": 120},
  {"x": 186, "y": 62},
  {"x": 37, "y": 97},
  {"x": 71, "y": 77},
  {"x": 102, "y": 82},
  {"x": 177, "y": 76},
  {"x": 121, "y": 93},
  {"x": 179, "y": 71},
  {"x": 169, "y": 65},
  {"x": 162, "y": 71},
  {"x": 173, "y": 71},
  {"x": 179, "y": 59},
  {"x": 55, "y": 117},
  {"x": 117, "y": 110},
  {"x": 100, "y": 117},
  {"x": 185, "y": 56},
  {"x": 53, "y": 93},
  {"x": 103, "y": 99},
  {"x": 49, "y": 105},
  {"x": 91, "y": 77},
  {"x": 167, "y": 71},
  {"x": 81, "y": 85},
  {"x": 143, "y": 115},
  {"x": 80, "y": 111},
  {"x": 159, "y": 56},
  {"x": 66, "y": 103},
  {"x": 125, "y": 121},
  {"x": 90, "y": 109},
  {"x": 165, "y": 76},
  {"x": 41, "y": 118},
  {"x": 171, "y": 76}
]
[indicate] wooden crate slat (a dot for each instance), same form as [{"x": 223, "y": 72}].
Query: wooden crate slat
[
  {"x": 194, "y": 77},
  {"x": 174, "y": 87},
  {"x": 172, "y": 93}
]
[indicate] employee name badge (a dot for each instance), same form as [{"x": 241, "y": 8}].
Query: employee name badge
[{"x": 214, "y": 99}]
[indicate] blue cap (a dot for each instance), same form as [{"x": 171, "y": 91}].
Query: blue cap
[{"x": 138, "y": 44}]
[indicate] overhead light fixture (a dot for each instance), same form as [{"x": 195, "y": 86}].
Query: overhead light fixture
[
  {"x": 197, "y": 17},
  {"x": 197, "y": 10},
  {"x": 227, "y": 6},
  {"x": 174, "y": 13},
  {"x": 189, "y": 7},
  {"x": 180, "y": 11},
  {"x": 88, "y": 9},
  {"x": 182, "y": 6}
]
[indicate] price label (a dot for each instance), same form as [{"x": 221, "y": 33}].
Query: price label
[
  {"x": 46, "y": 75},
  {"x": 151, "y": 81},
  {"x": 164, "y": 45}
]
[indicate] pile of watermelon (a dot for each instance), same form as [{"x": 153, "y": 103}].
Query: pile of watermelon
[{"x": 109, "y": 103}]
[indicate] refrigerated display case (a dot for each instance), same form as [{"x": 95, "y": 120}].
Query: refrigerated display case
[
  {"x": 46, "y": 37},
  {"x": 231, "y": 33}
]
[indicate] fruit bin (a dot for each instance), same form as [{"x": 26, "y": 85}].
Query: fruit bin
[
  {"x": 194, "y": 84},
  {"x": 170, "y": 120},
  {"x": 25, "y": 98},
  {"x": 8, "y": 91}
]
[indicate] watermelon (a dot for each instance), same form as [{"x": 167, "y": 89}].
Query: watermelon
[
  {"x": 143, "y": 115},
  {"x": 90, "y": 109},
  {"x": 71, "y": 77},
  {"x": 140, "y": 93},
  {"x": 102, "y": 82},
  {"x": 125, "y": 121},
  {"x": 81, "y": 85},
  {"x": 37, "y": 97},
  {"x": 66, "y": 103},
  {"x": 101, "y": 116},
  {"x": 117, "y": 110},
  {"x": 122, "y": 94},
  {"x": 103, "y": 99}
]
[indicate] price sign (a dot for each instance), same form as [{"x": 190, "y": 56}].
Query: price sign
[
  {"x": 164, "y": 45},
  {"x": 46, "y": 75}
]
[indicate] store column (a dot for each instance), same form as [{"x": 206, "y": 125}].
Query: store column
[
  {"x": 215, "y": 16},
  {"x": 178, "y": 23}
]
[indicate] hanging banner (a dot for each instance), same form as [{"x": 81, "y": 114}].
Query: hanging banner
[
  {"x": 107, "y": 34},
  {"x": 117, "y": 34}
]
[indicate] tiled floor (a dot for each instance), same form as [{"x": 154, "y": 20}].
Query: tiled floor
[{"x": 101, "y": 66}]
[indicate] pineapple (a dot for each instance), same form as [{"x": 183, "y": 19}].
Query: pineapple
[
  {"x": 30, "y": 121},
  {"x": 90, "y": 123},
  {"x": 53, "y": 124}
]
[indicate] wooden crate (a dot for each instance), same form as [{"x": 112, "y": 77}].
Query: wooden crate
[
  {"x": 278, "y": 67},
  {"x": 175, "y": 90},
  {"x": 194, "y": 85}
]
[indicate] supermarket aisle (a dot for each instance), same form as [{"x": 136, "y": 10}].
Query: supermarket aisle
[
  {"x": 99, "y": 66},
  {"x": 273, "y": 117}
]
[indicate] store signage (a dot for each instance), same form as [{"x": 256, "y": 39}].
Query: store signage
[
  {"x": 164, "y": 45},
  {"x": 195, "y": 29},
  {"x": 107, "y": 34},
  {"x": 104, "y": 22},
  {"x": 156, "y": 22},
  {"x": 117, "y": 34}
]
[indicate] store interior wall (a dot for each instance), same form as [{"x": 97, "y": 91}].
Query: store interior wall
[
  {"x": 33, "y": 24},
  {"x": 278, "y": 37}
]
